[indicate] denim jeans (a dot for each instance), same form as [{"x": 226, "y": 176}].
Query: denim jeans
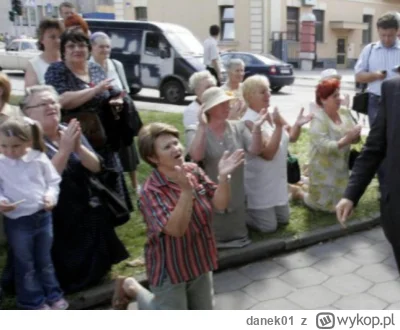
[
  {"x": 373, "y": 108},
  {"x": 30, "y": 239}
]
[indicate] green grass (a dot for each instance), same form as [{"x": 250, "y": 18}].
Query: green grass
[{"x": 302, "y": 219}]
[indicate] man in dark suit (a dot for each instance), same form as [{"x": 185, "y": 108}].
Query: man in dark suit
[{"x": 383, "y": 141}]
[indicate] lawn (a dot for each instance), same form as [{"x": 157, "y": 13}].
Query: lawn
[{"x": 302, "y": 219}]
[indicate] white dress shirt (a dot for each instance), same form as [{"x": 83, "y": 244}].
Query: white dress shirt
[
  {"x": 29, "y": 178},
  {"x": 211, "y": 51}
]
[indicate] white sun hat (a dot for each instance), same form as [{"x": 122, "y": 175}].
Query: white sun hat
[
  {"x": 330, "y": 73},
  {"x": 214, "y": 96}
]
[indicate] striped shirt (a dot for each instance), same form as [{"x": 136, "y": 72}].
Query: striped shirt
[
  {"x": 382, "y": 58},
  {"x": 180, "y": 258}
]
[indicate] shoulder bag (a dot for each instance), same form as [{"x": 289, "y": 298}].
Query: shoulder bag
[{"x": 360, "y": 100}]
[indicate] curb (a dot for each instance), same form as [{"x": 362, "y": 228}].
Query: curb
[{"x": 101, "y": 295}]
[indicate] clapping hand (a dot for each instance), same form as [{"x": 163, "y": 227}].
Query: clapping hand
[
  {"x": 228, "y": 163},
  {"x": 354, "y": 134},
  {"x": 277, "y": 118},
  {"x": 103, "y": 85},
  {"x": 237, "y": 108},
  {"x": 256, "y": 126},
  {"x": 202, "y": 117},
  {"x": 70, "y": 137},
  {"x": 302, "y": 119},
  {"x": 182, "y": 179}
]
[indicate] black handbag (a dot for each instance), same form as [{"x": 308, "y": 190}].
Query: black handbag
[
  {"x": 119, "y": 213},
  {"x": 293, "y": 169},
  {"x": 360, "y": 99}
]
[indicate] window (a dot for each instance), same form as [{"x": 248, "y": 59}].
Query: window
[
  {"x": 292, "y": 23},
  {"x": 25, "y": 16},
  {"x": 27, "y": 46},
  {"x": 367, "y": 34},
  {"x": 40, "y": 13},
  {"x": 141, "y": 13},
  {"x": 227, "y": 23},
  {"x": 319, "y": 25},
  {"x": 32, "y": 16},
  {"x": 152, "y": 44},
  {"x": 55, "y": 12}
]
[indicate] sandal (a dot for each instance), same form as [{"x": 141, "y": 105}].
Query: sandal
[{"x": 120, "y": 300}]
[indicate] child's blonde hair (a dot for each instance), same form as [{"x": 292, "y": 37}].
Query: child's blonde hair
[{"x": 24, "y": 129}]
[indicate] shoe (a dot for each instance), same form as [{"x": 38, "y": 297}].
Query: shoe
[
  {"x": 61, "y": 304},
  {"x": 120, "y": 300},
  {"x": 44, "y": 307}
]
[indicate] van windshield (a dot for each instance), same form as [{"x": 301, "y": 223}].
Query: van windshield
[{"x": 185, "y": 43}]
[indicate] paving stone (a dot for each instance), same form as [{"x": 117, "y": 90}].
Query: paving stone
[
  {"x": 365, "y": 256},
  {"x": 236, "y": 300},
  {"x": 230, "y": 280},
  {"x": 378, "y": 273},
  {"x": 296, "y": 260},
  {"x": 363, "y": 301},
  {"x": 262, "y": 270},
  {"x": 327, "y": 250},
  {"x": 348, "y": 284},
  {"x": 353, "y": 242},
  {"x": 276, "y": 304},
  {"x": 395, "y": 306},
  {"x": 336, "y": 266},
  {"x": 313, "y": 297},
  {"x": 383, "y": 247},
  {"x": 268, "y": 289},
  {"x": 391, "y": 261},
  {"x": 375, "y": 234},
  {"x": 388, "y": 291},
  {"x": 303, "y": 277}
]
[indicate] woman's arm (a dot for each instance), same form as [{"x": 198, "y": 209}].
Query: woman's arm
[
  {"x": 222, "y": 194},
  {"x": 31, "y": 78},
  {"x": 198, "y": 145},
  {"x": 89, "y": 159}
]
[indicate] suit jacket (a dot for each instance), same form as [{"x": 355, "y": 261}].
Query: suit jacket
[{"x": 383, "y": 141}]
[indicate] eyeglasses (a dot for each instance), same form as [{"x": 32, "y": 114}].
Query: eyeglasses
[
  {"x": 73, "y": 46},
  {"x": 41, "y": 105}
]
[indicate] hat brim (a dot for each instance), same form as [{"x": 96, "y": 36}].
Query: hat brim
[{"x": 220, "y": 99}]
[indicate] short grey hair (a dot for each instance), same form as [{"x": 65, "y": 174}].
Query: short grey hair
[
  {"x": 197, "y": 77},
  {"x": 36, "y": 89},
  {"x": 234, "y": 62},
  {"x": 251, "y": 84},
  {"x": 98, "y": 36}
]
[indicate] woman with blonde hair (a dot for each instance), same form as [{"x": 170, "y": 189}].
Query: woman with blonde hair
[{"x": 265, "y": 178}]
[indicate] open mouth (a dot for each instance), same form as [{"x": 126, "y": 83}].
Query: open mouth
[{"x": 178, "y": 156}]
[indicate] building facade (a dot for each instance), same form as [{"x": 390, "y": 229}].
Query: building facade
[{"x": 343, "y": 27}]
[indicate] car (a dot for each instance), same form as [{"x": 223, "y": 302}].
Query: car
[
  {"x": 17, "y": 54},
  {"x": 279, "y": 73}
]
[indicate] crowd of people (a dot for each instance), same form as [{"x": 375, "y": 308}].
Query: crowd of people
[{"x": 73, "y": 132}]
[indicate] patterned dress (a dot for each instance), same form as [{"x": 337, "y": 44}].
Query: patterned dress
[
  {"x": 64, "y": 80},
  {"x": 328, "y": 169}
]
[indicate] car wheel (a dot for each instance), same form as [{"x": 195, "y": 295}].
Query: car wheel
[
  {"x": 173, "y": 92},
  {"x": 135, "y": 91},
  {"x": 276, "y": 89}
]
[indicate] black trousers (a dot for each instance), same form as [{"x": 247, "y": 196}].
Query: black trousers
[{"x": 214, "y": 73}]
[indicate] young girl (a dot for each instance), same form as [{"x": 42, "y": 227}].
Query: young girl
[{"x": 29, "y": 188}]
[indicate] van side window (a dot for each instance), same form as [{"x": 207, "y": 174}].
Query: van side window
[{"x": 152, "y": 44}]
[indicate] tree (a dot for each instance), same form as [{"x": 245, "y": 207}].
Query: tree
[{"x": 17, "y": 7}]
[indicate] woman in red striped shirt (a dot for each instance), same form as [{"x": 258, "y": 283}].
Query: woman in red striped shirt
[{"x": 177, "y": 201}]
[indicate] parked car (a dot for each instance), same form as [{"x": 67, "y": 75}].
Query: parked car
[
  {"x": 17, "y": 54},
  {"x": 155, "y": 55},
  {"x": 279, "y": 73}
]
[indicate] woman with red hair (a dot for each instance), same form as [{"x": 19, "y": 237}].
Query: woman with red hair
[
  {"x": 76, "y": 21},
  {"x": 332, "y": 131}
]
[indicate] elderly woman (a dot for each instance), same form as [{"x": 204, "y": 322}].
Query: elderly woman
[
  {"x": 331, "y": 133},
  {"x": 85, "y": 243},
  {"x": 233, "y": 86},
  {"x": 215, "y": 135},
  {"x": 87, "y": 94},
  {"x": 177, "y": 202},
  {"x": 101, "y": 49},
  {"x": 198, "y": 83},
  {"x": 266, "y": 185},
  {"x": 48, "y": 35}
]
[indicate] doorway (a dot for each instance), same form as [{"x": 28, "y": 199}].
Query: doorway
[{"x": 341, "y": 53}]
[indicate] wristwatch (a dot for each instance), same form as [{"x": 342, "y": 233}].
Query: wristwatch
[{"x": 228, "y": 179}]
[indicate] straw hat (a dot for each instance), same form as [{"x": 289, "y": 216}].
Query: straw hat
[
  {"x": 330, "y": 73},
  {"x": 214, "y": 96}
]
